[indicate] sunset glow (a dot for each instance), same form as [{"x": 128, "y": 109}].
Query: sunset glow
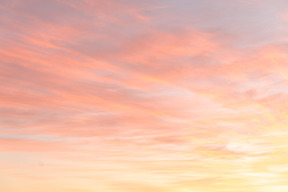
[{"x": 143, "y": 96}]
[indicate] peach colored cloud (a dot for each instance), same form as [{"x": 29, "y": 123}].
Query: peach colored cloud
[{"x": 127, "y": 95}]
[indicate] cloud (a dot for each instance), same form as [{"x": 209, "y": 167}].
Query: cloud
[{"x": 143, "y": 95}]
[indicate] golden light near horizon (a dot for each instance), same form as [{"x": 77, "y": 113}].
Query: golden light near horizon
[{"x": 146, "y": 95}]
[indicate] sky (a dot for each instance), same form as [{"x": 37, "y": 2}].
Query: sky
[{"x": 143, "y": 95}]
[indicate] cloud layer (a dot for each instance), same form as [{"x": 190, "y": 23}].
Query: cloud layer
[{"x": 121, "y": 96}]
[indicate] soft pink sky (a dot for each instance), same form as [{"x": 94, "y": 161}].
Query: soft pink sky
[{"x": 143, "y": 95}]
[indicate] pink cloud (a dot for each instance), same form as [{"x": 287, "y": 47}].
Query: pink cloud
[{"x": 142, "y": 95}]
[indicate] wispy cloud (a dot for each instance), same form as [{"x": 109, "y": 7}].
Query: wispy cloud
[{"x": 127, "y": 95}]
